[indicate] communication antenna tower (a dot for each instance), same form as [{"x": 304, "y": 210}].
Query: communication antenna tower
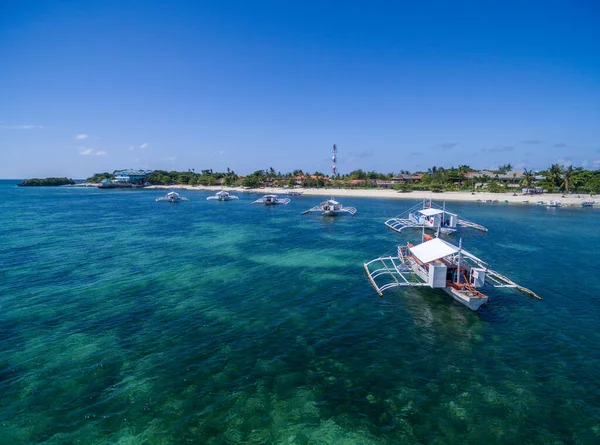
[{"x": 334, "y": 161}]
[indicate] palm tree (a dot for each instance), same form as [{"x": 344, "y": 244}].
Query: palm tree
[
  {"x": 554, "y": 177},
  {"x": 485, "y": 179},
  {"x": 504, "y": 169},
  {"x": 567, "y": 179},
  {"x": 528, "y": 178}
]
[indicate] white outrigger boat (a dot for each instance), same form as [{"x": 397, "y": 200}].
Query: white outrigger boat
[
  {"x": 439, "y": 265},
  {"x": 430, "y": 216},
  {"x": 271, "y": 200},
  {"x": 553, "y": 203},
  {"x": 222, "y": 196},
  {"x": 172, "y": 197},
  {"x": 331, "y": 208}
]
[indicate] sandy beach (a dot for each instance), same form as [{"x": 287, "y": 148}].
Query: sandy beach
[{"x": 565, "y": 200}]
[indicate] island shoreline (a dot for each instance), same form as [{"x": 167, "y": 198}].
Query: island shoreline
[{"x": 508, "y": 197}]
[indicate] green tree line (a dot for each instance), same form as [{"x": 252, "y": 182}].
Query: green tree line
[
  {"x": 33, "y": 182},
  {"x": 557, "y": 178}
]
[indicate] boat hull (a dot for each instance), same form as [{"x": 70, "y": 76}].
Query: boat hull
[
  {"x": 472, "y": 302},
  {"x": 335, "y": 213}
]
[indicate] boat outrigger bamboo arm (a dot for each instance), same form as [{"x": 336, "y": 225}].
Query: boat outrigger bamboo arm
[
  {"x": 529, "y": 292},
  {"x": 501, "y": 279},
  {"x": 372, "y": 281},
  {"x": 466, "y": 223}
]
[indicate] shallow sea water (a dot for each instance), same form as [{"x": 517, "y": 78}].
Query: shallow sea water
[{"x": 127, "y": 321}]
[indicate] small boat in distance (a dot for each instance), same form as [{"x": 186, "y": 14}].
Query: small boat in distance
[
  {"x": 439, "y": 265},
  {"x": 331, "y": 208},
  {"x": 432, "y": 216},
  {"x": 172, "y": 197},
  {"x": 294, "y": 193},
  {"x": 222, "y": 196},
  {"x": 271, "y": 200},
  {"x": 588, "y": 202},
  {"x": 553, "y": 203}
]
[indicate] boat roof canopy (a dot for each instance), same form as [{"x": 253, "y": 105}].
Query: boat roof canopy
[
  {"x": 433, "y": 250},
  {"x": 430, "y": 212}
]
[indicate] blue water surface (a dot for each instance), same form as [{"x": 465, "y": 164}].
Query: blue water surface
[{"x": 127, "y": 321}]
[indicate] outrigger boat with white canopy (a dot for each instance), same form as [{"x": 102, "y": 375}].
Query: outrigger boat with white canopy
[
  {"x": 331, "y": 208},
  {"x": 430, "y": 216},
  {"x": 172, "y": 197},
  {"x": 553, "y": 203},
  {"x": 439, "y": 265},
  {"x": 271, "y": 200},
  {"x": 222, "y": 196}
]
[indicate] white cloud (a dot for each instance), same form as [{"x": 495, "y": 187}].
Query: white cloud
[
  {"x": 596, "y": 163},
  {"x": 169, "y": 159},
  {"x": 81, "y": 137},
  {"x": 141, "y": 147},
  {"x": 21, "y": 127},
  {"x": 85, "y": 151},
  {"x": 500, "y": 149},
  {"x": 564, "y": 162}
]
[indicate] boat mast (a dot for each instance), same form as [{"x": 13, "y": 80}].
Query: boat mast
[
  {"x": 459, "y": 260},
  {"x": 443, "y": 214}
]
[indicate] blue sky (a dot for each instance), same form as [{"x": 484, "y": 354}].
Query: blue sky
[{"x": 96, "y": 86}]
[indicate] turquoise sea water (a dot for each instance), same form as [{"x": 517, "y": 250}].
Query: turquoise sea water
[{"x": 127, "y": 321}]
